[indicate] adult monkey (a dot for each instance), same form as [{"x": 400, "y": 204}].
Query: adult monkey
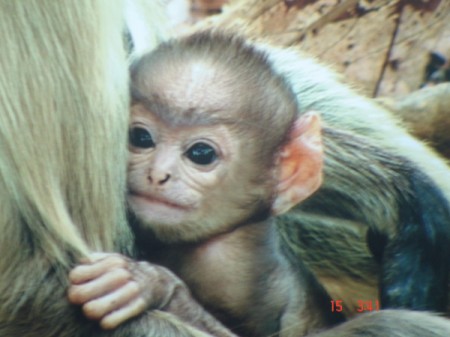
[{"x": 63, "y": 116}]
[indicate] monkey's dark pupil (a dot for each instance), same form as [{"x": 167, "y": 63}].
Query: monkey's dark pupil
[
  {"x": 201, "y": 154},
  {"x": 140, "y": 137}
]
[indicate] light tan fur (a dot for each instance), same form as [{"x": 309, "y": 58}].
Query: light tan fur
[{"x": 64, "y": 111}]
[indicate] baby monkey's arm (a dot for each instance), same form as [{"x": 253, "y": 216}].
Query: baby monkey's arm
[{"x": 113, "y": 289}]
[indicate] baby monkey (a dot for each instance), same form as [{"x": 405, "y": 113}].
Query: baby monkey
[{"x": 217, "y": 150}]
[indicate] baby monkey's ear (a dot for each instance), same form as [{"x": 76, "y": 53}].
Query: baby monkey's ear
[{"x": 300, "y": 162}]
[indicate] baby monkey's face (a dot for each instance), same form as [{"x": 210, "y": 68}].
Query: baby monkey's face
[{"x": 185, "y": 182}]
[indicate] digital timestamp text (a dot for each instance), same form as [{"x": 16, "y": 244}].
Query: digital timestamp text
[{"x": 363, "y": 306}]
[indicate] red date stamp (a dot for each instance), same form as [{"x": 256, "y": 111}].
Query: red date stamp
[{"x": 363, "y": 306}]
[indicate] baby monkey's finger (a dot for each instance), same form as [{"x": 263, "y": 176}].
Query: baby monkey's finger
[
  {"x": 116, "y": 300},
  {"x": 94, "y": 257},
  {"x": 105, "y": 284},
  {"x": 115, "y": 318},
  {"x": 96, "y": 267}
]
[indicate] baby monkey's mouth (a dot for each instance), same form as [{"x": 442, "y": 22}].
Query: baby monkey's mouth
[{"x": 157, "y": 199}]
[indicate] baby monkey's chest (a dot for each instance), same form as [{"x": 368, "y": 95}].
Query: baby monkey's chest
[{"x": 224, "y": 277}]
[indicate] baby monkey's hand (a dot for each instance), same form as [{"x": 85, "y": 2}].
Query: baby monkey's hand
[{"x": 113, "y": 288}]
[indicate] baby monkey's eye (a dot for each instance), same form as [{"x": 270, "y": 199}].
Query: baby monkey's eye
[
  {"x": 140, "y": 137},
  {"x": 201, "y": 154}
]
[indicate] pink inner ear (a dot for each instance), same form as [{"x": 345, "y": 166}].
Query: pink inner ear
[{"x": 301, "y": 164}]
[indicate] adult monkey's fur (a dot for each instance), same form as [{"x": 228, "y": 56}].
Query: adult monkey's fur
[
  {"x": 63, "y": 131},
  {"x": 379, "y": 183}
]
